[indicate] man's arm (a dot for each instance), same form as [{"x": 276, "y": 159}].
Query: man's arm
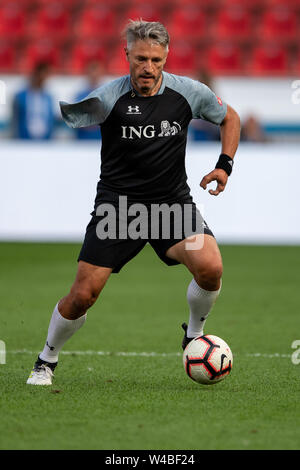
[
  {"x": 230, "y": 136},
  {"x": 230, "y": 132},
  {"x": 96, "y": 107}
]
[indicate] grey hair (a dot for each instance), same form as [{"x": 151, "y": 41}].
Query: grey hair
[{"x": 144, "y": 30}]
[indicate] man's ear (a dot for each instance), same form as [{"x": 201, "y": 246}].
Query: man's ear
[{"x": 165, "y": 60}]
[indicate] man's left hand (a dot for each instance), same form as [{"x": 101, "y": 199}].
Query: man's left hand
[{"x": 218, "y": 175}]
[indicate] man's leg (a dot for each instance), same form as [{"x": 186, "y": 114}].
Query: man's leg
[
  {"x": 68, "y": 316},
  {"x": 205, "y": 263}
]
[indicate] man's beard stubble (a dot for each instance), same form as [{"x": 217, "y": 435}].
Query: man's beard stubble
[{"x": 146, "y": 89}]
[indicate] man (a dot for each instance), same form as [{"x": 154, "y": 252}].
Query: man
[
  {"x": 33, "y": 113},
  {"x": 142, "y": 162},
  {"x": 94, "y": 77}
]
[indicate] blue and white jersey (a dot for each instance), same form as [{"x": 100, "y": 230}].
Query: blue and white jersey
[{"x": 33, "y": 114}]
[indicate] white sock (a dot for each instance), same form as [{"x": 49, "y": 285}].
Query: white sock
[
  {"x": 200, "y": 302},
  {"x": 60, "y": 330}
]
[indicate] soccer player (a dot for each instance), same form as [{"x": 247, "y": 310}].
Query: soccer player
[{"x": 144, "y": 119}]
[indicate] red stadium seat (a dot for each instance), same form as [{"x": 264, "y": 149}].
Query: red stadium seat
[
  {"x": 83, "y": 53},
  {"x": 70, "y": 4},
  {"x": 43, "y": 50},
  {"x": 224, "y": 59},
  {"x": 154, "y": 3},
  {"x": 203, "y": 4},
  {"x": 12, "y": 21},
  {"x": 188, "y": 21},
  {"x": 97, "y": 22},
  {"x": 145, "y": 11},
  {"x": 118, "y": 64},
  {"x": 233, "y": 23},
  {"x": 112, "y": 3},
  {"x": 295, "y": 65},
  {"x": 52, "y": 20},
  {"x": 249, "y": 4},
  {"x": 294, "y": 4},
  {"x": 24, "y": 4},
  {"x": 7, "y": 57},
  {"x": 279, "y": 23},
  {"x": 182, "y": 59},
  {"x": 268, "y": 60}
]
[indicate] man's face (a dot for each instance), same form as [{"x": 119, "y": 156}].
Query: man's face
[
  {"x": 39, "y": 77},
  {"x": 146, "y": 62}
]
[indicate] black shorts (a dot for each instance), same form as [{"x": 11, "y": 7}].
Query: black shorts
[{"x": 114, "y": 236}]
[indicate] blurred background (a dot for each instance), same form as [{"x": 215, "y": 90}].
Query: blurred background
[{"x": 247, "y": 51}]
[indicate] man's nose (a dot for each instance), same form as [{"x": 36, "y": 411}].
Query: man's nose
[{"x": 148, "y": 66}]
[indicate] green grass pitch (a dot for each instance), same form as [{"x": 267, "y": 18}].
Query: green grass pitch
[{"x": 135, "y": 401}]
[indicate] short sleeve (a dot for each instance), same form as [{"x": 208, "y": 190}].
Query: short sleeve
[
  {"x": 208, "y": 106},
  {"x": 88, "y": 112},
  {"x": 96, "y": 107},
  {"x": 203, "y": 102}
]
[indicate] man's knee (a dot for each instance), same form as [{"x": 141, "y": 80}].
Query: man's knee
[
  {"x": 77, "y": 302},
  {"x": 209, "y": 276},
  {"x": 88, "y": 284},
  {"x": 83, "y": 298}
]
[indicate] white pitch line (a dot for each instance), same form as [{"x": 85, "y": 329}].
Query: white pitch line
[
  {"x": 138, "y": 354},
  {"x": 101, "y": 353},
  {"x": 268, "y": 355}
]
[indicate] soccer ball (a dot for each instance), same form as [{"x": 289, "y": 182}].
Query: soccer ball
[{"x": 207, "y": 359}]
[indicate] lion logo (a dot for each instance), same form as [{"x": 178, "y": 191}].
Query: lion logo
[{"x": 167, "y": 129}]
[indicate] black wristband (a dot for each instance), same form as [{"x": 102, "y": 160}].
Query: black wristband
[{"x": 225, "y": 163}]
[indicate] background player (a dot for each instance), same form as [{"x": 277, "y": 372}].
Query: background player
[{"x": 149, "y": 169}]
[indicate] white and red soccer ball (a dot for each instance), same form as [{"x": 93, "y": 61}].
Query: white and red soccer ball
[{"x": 207, "y": 359}]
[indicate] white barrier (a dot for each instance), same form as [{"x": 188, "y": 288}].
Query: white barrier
[
  {"x": 271, "y": 100},
  {"x": 47, "y": 191}
]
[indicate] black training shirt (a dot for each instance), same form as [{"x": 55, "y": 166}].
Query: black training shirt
[{"x": 144, "y": 138}]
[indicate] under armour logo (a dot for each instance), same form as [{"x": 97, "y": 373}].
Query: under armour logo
[
  {"x": 50, "y": 347},
  {"x": 133, "y": 110}
]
